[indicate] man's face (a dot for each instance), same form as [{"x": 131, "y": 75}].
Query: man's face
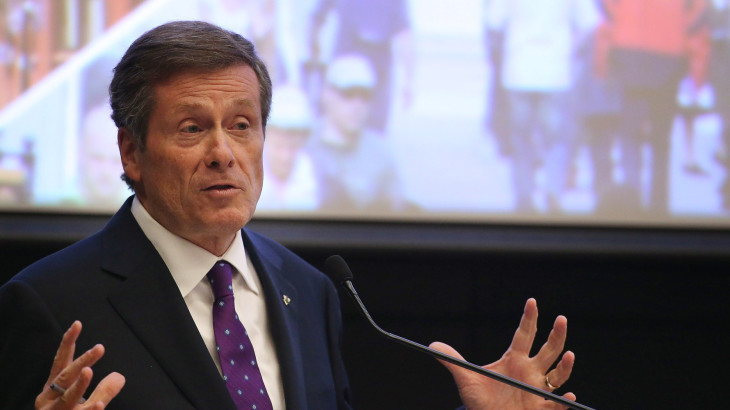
[
  {"x": 281, "y": 150},
  {"x": 200, "y": 174},
  {"x": 349, "y": 108}
]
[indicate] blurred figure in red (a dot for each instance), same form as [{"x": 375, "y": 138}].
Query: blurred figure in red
[{"x": 650, "y": 46}]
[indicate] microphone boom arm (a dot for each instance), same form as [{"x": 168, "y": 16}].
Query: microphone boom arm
[{"x": 467, "y": 365}]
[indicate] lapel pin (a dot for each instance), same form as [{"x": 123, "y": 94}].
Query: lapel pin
[{"x": 286, "y": 299}]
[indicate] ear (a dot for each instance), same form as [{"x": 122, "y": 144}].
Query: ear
[{"x": 130, "y": 154}]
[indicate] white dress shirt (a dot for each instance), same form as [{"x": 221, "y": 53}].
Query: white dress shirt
[{"x": 188, "y": 264}]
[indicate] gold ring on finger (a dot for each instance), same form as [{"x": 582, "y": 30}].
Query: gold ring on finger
[{"x": 548, "y": 384}]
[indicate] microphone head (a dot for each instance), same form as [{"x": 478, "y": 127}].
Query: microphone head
[{"x": 337, "y": 269}]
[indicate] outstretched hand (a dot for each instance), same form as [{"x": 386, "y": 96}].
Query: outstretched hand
[
  {"x": 74, "y": 376},
  {"x": 479, "y": 392}
]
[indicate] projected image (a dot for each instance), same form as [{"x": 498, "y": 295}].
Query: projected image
[{"x": 604, "y": 111}]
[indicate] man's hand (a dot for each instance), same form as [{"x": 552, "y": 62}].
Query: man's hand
[
  {"x": 74, "y": 377},
  {"x": 479, "y": 392}
]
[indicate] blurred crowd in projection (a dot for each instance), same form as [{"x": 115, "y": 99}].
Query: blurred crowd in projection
[
  {"x": 614, "y": 108},
  {"x": 613, "y": 75}
]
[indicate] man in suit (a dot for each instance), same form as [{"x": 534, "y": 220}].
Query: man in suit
[{"x": 191, "y": 101}]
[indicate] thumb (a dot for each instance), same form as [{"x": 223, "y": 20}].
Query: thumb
[
  {"x": 457, "y": 372},
  {"x": 108, "y": 388}
]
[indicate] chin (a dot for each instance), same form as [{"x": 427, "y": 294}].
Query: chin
[{"x": 231, "y": 220}]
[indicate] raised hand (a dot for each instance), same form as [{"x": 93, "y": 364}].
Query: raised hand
[
  {"x": 70, "y": 378},
  {"x": 479, "y": 392}
]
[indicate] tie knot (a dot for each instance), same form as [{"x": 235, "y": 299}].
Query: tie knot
[{"x": 221, "y": 279}]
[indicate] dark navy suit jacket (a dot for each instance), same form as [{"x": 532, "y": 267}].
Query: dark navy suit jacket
[{"x": 119, "y": 287}]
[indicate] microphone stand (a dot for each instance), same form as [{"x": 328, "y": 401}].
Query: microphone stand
[{"x": 347, "y": 283}]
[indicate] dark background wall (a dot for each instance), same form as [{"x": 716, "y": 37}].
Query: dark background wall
[{"x": 647, "y": 309}]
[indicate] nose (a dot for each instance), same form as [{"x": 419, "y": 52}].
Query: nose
[{"x": 220, "y": 154}]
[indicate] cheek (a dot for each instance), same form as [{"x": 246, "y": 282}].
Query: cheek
[
  {"x": 252, "y": 158},
  {"x": 255, "y": 169},
  {"x": 166, "y": 173},
  {"x": 257, "y": 173}
]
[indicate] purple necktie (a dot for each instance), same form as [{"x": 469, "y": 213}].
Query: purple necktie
[{"x": 238, "y": 361}]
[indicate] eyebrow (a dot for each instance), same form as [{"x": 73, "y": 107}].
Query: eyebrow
[
  {"x": 193, "y": 106},
  {"x": 181, "y": 107},
  {"x": 244, "y": 102}
]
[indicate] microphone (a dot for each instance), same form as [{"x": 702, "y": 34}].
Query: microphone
[{"x": 337, "y": 269}]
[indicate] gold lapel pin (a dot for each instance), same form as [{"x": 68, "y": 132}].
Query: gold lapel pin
[{"x": 286, "y": 299}]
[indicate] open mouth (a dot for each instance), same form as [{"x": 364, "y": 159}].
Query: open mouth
[{"x": 219, "y": 188}]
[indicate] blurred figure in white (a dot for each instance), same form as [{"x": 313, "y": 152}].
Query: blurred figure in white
[
  {"x": 540, "y": 39},
  {"x": 291, "y": 181},
  {"x": 345, "y": 147}
]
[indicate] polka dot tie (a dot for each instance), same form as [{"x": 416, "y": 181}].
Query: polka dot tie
[{"x": 238, "y": 361}]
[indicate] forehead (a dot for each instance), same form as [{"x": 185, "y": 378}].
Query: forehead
[{"x": 235, "y": 86}]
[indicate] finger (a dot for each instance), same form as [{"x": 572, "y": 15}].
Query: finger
[
  {"x": 75, "y": 393},
  {"x": 550, "y": 351},
  {"x": 65, "y": 352},
  {"x": 71, "y": 373},
  {"x": 525, "y": 334},
  {"x": 107, "y": 389},
  {"x": 64, "y": 356},
  {"x": 560, "y": 375}
]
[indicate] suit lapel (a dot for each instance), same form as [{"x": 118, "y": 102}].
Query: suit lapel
[
  {"x": 151, "y": 305},
  {"x": 282, "y": 307}
]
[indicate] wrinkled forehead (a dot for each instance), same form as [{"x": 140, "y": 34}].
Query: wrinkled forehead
[{"x": 235, "y": 87}]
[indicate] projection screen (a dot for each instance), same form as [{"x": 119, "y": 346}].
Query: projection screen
[{"x": 577, "y": 111}]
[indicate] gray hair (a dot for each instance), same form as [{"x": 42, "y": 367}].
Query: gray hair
[{"x": 170, "y": 49}]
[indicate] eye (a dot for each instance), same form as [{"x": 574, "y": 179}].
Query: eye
[
  {"x": 241, "y": 125},
  {"x": 191, "y": 129}
]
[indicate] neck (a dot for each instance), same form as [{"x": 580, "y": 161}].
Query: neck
[{"x": 215, "y": 245}]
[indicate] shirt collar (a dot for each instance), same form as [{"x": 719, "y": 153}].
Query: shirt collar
[{"x": 188, "y": 263}]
